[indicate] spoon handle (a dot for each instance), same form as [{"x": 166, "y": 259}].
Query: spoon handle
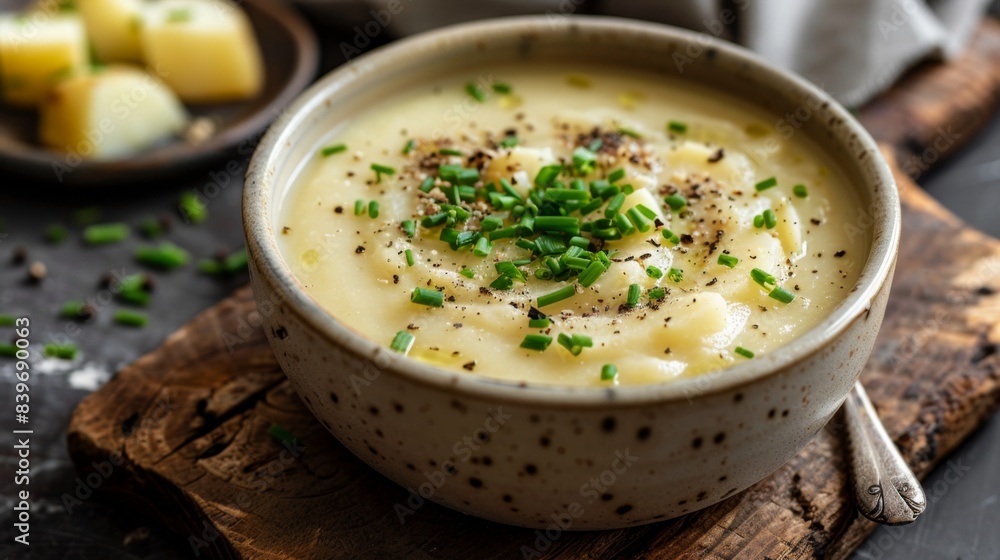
[{"x": 885, "y": 489}]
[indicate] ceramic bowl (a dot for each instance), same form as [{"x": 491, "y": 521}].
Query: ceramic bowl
[{"x": 539, "y": 456}]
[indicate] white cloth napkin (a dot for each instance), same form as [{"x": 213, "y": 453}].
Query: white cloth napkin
[{"x": 853, "y": 49}]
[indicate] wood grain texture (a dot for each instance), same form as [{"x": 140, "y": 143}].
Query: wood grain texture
[{"x": 188, "y": 421}]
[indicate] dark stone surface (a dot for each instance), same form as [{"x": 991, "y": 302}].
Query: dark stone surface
[
  {"x": 963, "y": 511},
  {"x": 961, "y": 521}
]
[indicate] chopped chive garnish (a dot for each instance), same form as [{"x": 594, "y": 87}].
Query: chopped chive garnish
[
  {"x": 561, "y": 224},
  {"x": 526, "y": 244},
  {"x": 410, "y": 144},
  {"x": 676, "y": 126},
  {"x": 502, "y": 87},
  {"x": 468, "y": 273},
  {"x": 281, "y": 435},
  {"x": 335, "y": 149},
  {"x": 502, "y": 283},
  {"x": 591, "y": 206},
  {"x": 542, "y": 323},
  {"x": 758, "y": 221},
  {"x": 654, "y": 272},
  {"x": 433, "y": 220},
  {"x": 134, "y": 282},
  {"x": 382, "y": 170},
  {"x": 781, "y": 294},
  {"x": 537, "y": 342},
  {"x": 192, "y": 208},
  {"x": 554, "y": 265},
  {"x": 105, "y": 233},
  {"x": 630, "y": 133},
  {"x": 56, "y": 233},
  {"x": 402, "y": 342},
  {"x": 608, "y": 233},
  {"x": 565, "y": 195},
  {"x": 616, "y": 175},
  {"x": 608, "y": 372},
  {"x": 770, "y": 220},
  {"x": 503, "y": 233},
  {"x": 764, "y": 279},
  {"x": 548, "y": 174},
  {"x": 728, "y": 260},
  {"x": 427, "y": 184},
  {"x": 634, "y": 293},
  {"x": 557, "y": 296},
  {"x": 800, "y": 191},
  {"x": 646, "y": 211},
  {"x": 461, "y": 239},
  {"x": 373, "y": 209},
  {"x": 675, "y": 275},
  {"x": 131, "y": 318},
  {"x": 166, "y": 256},
  {"x": 766, "y": 184},
  {"x": 483, "y": 247},
  {"x": 430, "y": 298},
  {"x": 74, "y": 309},
  {"x": 510, "y": 270},
  {"x": 232, "y": 263},
  {"x": 450, "y": 152},
  {"x": 670, "y": 236},
  {"x": 624, "y": 224},
  {"x": 509, "y": 141},
  {"x": 743, "y": 352},
  {"x": 675, "y": 201},
  {"x": 135, "y": 296},
  {"x": 638, "y": 219},
  {"x": 409, "y": 228},
  {"x": 491, "y": 223},
  {"x": 475, "y": 91},
  {"x": 575, "y": 343},
  {"x": 359, "y": 207},
  {"x": 614, "y": 205},
  {"x": 61, "y": 351},
  {"x": 657, "y": 293},
  {"x": 584, "y": 160},
  {"x": 590, "y": 274},
  {"x": 409, "y": 257},
  {"x": 598, "y": 188}
]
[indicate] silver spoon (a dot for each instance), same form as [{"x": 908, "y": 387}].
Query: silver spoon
[{"x": 885, "y": 489}]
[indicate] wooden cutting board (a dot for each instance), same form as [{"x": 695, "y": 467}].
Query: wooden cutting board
[{"x": 185, "y": 426}]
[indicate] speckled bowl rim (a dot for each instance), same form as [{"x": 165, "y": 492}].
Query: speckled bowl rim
[{"x": 270, "y": 265}]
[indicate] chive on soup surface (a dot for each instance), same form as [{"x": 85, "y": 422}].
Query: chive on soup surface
[{"x": 588, "y": 226}]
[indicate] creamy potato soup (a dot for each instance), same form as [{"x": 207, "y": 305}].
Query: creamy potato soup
[{"x": 572, "y": 226}]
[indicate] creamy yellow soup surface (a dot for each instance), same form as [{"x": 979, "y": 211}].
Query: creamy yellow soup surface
[{"x": 695, "y": 168}]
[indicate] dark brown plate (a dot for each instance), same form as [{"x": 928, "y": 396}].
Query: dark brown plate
[{"x": 290, "y": 55}]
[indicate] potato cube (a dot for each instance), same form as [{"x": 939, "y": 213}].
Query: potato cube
[
  {"x": 205, "y": 50},
  {"x": 36, "y": 49},
  {"x": 113, "y": 27},
  {"x": 110, "y": 113}
]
